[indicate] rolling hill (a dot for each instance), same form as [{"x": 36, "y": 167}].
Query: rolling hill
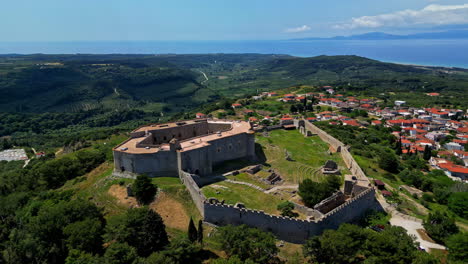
[{"x": 175, "y": 83}]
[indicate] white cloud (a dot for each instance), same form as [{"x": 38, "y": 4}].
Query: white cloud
[
  {"x": 302, "y": 28},
  {"x": 430, "y": 15}
]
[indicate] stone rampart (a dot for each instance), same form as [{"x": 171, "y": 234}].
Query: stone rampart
[
  {"x": 335, "y": 143},
  {"x": 195, "y": 192},
  {"x": 350, "y": 162},
  {"x": 291, "y": 229}
]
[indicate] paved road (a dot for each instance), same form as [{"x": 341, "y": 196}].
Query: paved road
[
  {"x": 409, "y": 223},
  {"x": 206, "y": 77}
]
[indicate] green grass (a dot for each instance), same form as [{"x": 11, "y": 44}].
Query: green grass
[
  {"x": 250, "y": 197},
  {"x": 308, "y": 154}
]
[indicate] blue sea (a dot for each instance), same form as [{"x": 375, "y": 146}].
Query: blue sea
[{"x": 449, "y": 53}]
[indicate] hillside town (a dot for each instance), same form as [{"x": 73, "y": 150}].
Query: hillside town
[{"x": 442, "y": 132}]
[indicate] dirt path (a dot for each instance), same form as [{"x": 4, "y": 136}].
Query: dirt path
[
  {"x": 120, "y": 192},
  {"x": 290, "y": 186},
  {"x": 172, "y": 211}
]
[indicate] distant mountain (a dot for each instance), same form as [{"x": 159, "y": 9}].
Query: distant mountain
[{"x": 452, "y": 34}]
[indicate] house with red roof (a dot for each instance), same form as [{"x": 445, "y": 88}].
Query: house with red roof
[
  {"x": 433, "y": 94},
  {"x": 376, "y": 122},
  {"x": 405, "y": 142},
  {"x": 366, "y": 106},
  {"x": 460, "y": 141},
  {"x": 462, "y": 130},
  {"x": 286, "y": 120},
  {"x": 461, "y": 154},
  {"x": 236, "y": 105},
  {"x": 287, "y": 100},
  {"x": 300, "y": 99},
  {"x": 311, "y": 119},
  {"x": 253, "y": 119},
  {"x": 292, "y": 96},
  {"x": 40, "y": 154},
  {"x": 272, "y": 94},
  {"x": 457, "y": 171},
  {"x": 351, "y": 122},
  {"x": 249, "y": 111},
  {"x": 200, "y": 115}
]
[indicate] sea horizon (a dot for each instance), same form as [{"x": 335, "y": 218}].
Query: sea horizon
[{"x": 437, "y": 53}]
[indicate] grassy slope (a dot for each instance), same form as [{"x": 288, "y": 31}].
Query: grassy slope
[{"x": 308, "y": 153}]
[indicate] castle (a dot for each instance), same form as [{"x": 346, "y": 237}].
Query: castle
[
  {"x": 193, "y": 146},
  {"x": 190, "y": 149}
]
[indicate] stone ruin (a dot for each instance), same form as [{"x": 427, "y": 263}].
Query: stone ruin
[
  {"x": 273, "y": 178},
  {"x": 331, "y": 202},
  {"x": 254, "y": 169},
  {"x": 330, "y": 167}
]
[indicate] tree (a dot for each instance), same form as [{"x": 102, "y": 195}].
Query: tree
[
  {"x": 353, "y": 244},
  {"x": 398, "y": 146},
  {"x": 192, "y": 231},
  {"x": 286, "y": 209},
  {"x": 333, "y": 182},
  {"x": 232, "y": 260},
  {"x": 200, "y": 232},
  {"x": 458, "y": 203},
  {"x": 388, "y": 162},
  {"x": 141, "y": 228},
  {"x": 427, "y": 153},
  {"x": 144, "y": 190},
  {"x": 85, "y": 235},
  {"x": 439, "y": 226},
  {"x": 313, "y": 192},
  {"x": 120, "y": 253},
  {"x": 247, "y": 243},
  {"x": 293, "y": 109},
  {"x": 458, "y": 247},
  {"x": 182, "y": 250},
  {"x": 79, "y": 257}
]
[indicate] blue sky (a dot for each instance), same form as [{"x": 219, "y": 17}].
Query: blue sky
[{"x": 121, "y": 20}]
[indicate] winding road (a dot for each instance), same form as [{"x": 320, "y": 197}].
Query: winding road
[{"x": 204, "y": 75}]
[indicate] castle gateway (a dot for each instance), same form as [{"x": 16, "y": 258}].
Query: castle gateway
[{"x": 193, "y": 146}]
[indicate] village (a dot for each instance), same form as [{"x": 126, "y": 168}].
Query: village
[{"x": 418, "y": 129}]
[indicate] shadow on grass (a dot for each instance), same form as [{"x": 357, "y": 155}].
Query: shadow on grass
[{"x": 232, "y": 165}]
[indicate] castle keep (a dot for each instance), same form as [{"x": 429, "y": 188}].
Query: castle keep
[{"x": 193, "y": 146}]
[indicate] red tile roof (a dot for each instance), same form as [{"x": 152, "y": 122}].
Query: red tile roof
[
  {"x": 458, "y": 169},
  {"x": 351, "y": 122}
]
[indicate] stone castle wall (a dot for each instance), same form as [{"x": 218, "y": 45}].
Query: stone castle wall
[
  {"x": 195, "y": 192},
  {"x": 352, "y": 165},
  {"x": 291, "y": 229},
  {"x": 161, "y": 163}
]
